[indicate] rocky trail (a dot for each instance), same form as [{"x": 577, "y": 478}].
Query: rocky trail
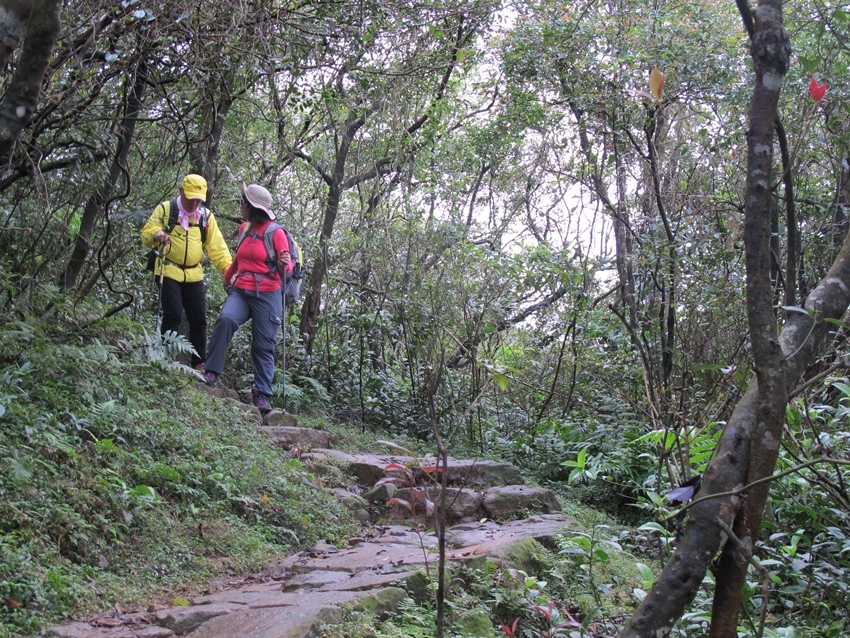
[{"x": 298, "y": 596}]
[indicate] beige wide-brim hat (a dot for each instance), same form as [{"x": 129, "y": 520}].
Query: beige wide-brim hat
[{"x": 258, "y": 197}]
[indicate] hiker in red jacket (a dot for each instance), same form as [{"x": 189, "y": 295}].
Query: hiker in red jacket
[{"x": 254, "y": 282}]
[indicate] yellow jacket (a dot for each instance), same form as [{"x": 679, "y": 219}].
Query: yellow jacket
[{"x": 184, "y": 255}]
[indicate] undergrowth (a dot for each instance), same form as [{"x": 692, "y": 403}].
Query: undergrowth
[{"x": 122, "y": 481}]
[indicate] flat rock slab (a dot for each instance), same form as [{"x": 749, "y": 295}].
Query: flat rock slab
[
  {"x": 301, "y": 621},
  {"x": 542, "y": 528},
  {"x": 368, "y": 469},
  {"x": 87, "y": 630},
  {"x": 290, "y": 437},
  {"x": 263, "y": 599},
  {"x": 315, "y": 580},
  {"x": 370, "y": 579},
  {"x": 403, "y": 535},
  {"x": 376, "y": 556},
  {"x": 461, "y": 503},
  {"x": 505, "y": 501},
  {"x": 182, "y": 620},
  {"x": 271, "y": 622},
  {"x": 327, "y": 581}
]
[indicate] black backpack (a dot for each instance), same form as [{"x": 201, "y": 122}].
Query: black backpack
[{"x": 173, "y": 217}]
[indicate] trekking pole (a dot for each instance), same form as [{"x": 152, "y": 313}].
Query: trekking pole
[
  {"x": 283, "y": 363},
  {"x": 159, "y": 294}
]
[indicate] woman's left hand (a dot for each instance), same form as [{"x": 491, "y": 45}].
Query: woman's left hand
[{"x": 285, "y": 259}]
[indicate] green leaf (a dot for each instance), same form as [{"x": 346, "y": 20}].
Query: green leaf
[
  {"x": 581, "y": 459},
  {"x": 653, "y": 527},
  {"x": 842, "y": 387},
  {"x": 144, "y": 492},
  {"x": 810, "y": 64},
  {"x": 106, "y": 445},
  {"x": 646, "y": 574}
]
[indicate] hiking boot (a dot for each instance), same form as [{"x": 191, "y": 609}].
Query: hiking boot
[
  {"x": 211, "y": 378},
  {"x": 261, "y": 401},
  {"x": 200, "y": 368}
]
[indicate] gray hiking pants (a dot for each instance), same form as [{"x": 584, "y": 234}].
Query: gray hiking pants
[{"x": 263, "y": 309}]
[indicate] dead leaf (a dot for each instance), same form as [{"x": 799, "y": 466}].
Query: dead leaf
[{"x": 656, "y": 84}]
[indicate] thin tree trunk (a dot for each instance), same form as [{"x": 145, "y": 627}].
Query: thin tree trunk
[
  {"x": 337, "y": 184},
  {"x": 771, "y": 51},
  {"x": 792, "y": 231},
  {"x": 678, "y": 583},
  {"x": 205, "y": 151},
  {"x": 94, "y": 205}
]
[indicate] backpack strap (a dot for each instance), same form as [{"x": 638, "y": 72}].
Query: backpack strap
[
  {"x": 205, "y": 218},
  {"x": 173, "y": 215},
  {"x": 271, "y": 253}
]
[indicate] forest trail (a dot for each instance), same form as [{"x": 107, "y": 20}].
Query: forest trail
[{"x": 393, "y": 559}]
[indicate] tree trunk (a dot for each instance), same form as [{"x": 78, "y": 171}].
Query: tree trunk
[
  {"x": 677, "y": 584},
  {"x": 771, "y": 51},
  {"x": 94, "y": 205},
  {"x": 22, "y": 95},
  {"x": 337, "y": 184},
  {"x": 313, "y": 299},
  {"x": 749, "y": 446},
  {"x": 15, "y": 16},
  {"x": 218, "y": 98}
]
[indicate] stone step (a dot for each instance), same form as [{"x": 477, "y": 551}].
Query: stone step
[
  {"x": 368, "y": 469},
  {"x": 296, "y": 438},
  {"x": 463, "y": 504}
]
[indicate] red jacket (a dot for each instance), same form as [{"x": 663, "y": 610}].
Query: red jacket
[{"x": 249, "y": 270}]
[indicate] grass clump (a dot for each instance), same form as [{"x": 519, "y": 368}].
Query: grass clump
[{"x": 121, "y": 479}]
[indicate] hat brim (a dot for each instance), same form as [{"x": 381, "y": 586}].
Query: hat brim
[{"x": 191, "y": 193}]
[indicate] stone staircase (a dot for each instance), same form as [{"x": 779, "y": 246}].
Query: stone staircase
[{"x": 298, "y": 596}]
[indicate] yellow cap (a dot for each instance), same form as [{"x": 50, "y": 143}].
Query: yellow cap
[{"x": 194, "y": 187}]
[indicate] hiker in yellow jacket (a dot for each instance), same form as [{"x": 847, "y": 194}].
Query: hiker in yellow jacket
[{"x": 180, "y": 238}]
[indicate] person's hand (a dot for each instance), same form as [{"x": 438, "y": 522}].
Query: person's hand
[
  {"x": 285, "y": 259},
  {"x": 161, "y": 237}
]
